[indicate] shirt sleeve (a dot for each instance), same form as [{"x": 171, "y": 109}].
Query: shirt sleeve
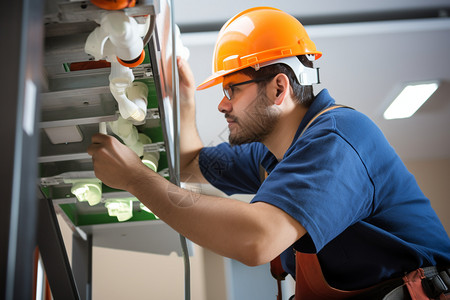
[
  {"x": 233, "y": 169},
  {"x": 323, "y": 184}
]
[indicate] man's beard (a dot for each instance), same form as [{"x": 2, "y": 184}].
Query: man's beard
[{"x": 258, "y": 121}]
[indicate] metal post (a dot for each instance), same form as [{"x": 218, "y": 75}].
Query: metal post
[
  {"x": 54, "y": 255},
  {"x": 176, "y": 153},
  {"x": 21, "y": 52},
  {"x": 82, "y": 264}
]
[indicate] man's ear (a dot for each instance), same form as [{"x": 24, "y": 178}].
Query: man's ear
[{"x": 281, "y": 88}]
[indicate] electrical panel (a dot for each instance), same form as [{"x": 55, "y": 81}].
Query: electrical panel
[{"x": 77, "y": 101}]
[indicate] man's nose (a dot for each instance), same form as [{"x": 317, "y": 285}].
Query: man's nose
[{"x": 225, "y": 105}]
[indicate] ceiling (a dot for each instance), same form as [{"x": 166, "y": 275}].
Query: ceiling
[{"x": 370, "y": 48}]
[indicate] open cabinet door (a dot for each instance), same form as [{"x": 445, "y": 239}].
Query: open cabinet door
[{"x": 49, "y": 61}]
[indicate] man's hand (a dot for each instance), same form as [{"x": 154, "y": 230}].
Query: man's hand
[
  {"x": 115, "y": 164},
  {"x": 190, "y": 143},
  {"x": 186, "y": 83}
]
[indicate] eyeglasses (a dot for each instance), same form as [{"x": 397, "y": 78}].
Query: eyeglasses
[{"x": 228, "y": 91}]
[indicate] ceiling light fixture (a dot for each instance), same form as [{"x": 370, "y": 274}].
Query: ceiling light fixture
[{"x": 410, "y": 99}]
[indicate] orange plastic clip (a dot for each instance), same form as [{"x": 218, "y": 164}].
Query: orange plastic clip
[
  {"x": 132, "y": 63},
  {"x": 114, "y": 4}
]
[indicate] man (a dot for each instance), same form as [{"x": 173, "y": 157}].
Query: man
[{"x": 335, "y": 186}]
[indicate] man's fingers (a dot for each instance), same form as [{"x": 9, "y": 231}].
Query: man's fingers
[
  {"x": 98, "y": 141},
  {"x": 181, "y": 69},
  {"x": 99, "y": 138},
  {"x": 93, "y": 148},
  {"x": 184, "y": 71}
]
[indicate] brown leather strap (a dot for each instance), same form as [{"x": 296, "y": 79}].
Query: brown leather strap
[
  {"x": 277, "y": 271},
  {"x": 276, "y": 268},
  {"x": 320, "y": 113},
  {"x": 310, "y": 282},
  {"x": 413, "y": 281}
]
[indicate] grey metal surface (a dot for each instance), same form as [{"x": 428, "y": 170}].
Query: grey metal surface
[
  {"x": 21, "y": 49},
  {"x": 146, "y": 236},
  {"x": 54, "y": 255},
  {"x": 80, "y": 11},
  {"x": 79, "y": 101},
  {"x": 82, "y": 264},
  {"x": 82, "y": 99},
  {"x": 68, "y": 98}
]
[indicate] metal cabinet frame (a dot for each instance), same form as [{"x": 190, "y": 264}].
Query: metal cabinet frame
[{"x": 27, "y": 217}]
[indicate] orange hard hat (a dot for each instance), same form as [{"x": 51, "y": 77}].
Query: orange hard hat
[{"x": 254, "y": 36}]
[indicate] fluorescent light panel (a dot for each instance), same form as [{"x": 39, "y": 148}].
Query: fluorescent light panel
[{"x": 410, "y": 100}]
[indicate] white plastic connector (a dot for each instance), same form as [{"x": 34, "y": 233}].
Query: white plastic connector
[
  {"x": 120, "y": 36},
  {"x": 130, "y": 96},
  {"x": 150, "y": 159},
  {"x": 120, "y": 208},
  {"x": 137, "y": 93},
  {"x": 120, "y": 75},
  {"x": 123, "y": 32},
  {"x": 95, "y": 43},
  {"x": 128, "y": 133},
  {"x": 89, "y": 190}
]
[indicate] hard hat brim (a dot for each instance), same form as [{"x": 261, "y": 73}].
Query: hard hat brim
[
  {"x": 214, "y": 79},
  {"x": 210, "y": 81},
  {"x": 217, "y": 78}
]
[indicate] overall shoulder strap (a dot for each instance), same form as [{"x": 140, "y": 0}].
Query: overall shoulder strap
[
  {"x": 276, "y": 268},
  {"x": 319, "y": 114}
]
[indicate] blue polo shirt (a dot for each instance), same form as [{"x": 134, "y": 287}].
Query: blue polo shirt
[{"x": 365, "y": 216}]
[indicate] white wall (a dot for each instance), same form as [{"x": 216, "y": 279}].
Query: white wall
[
  {"x": 119, "y": 274},
  {"x": 433, "y": 177}
]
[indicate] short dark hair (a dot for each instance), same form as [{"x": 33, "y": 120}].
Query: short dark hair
[{"x": 303, "y": 94}]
